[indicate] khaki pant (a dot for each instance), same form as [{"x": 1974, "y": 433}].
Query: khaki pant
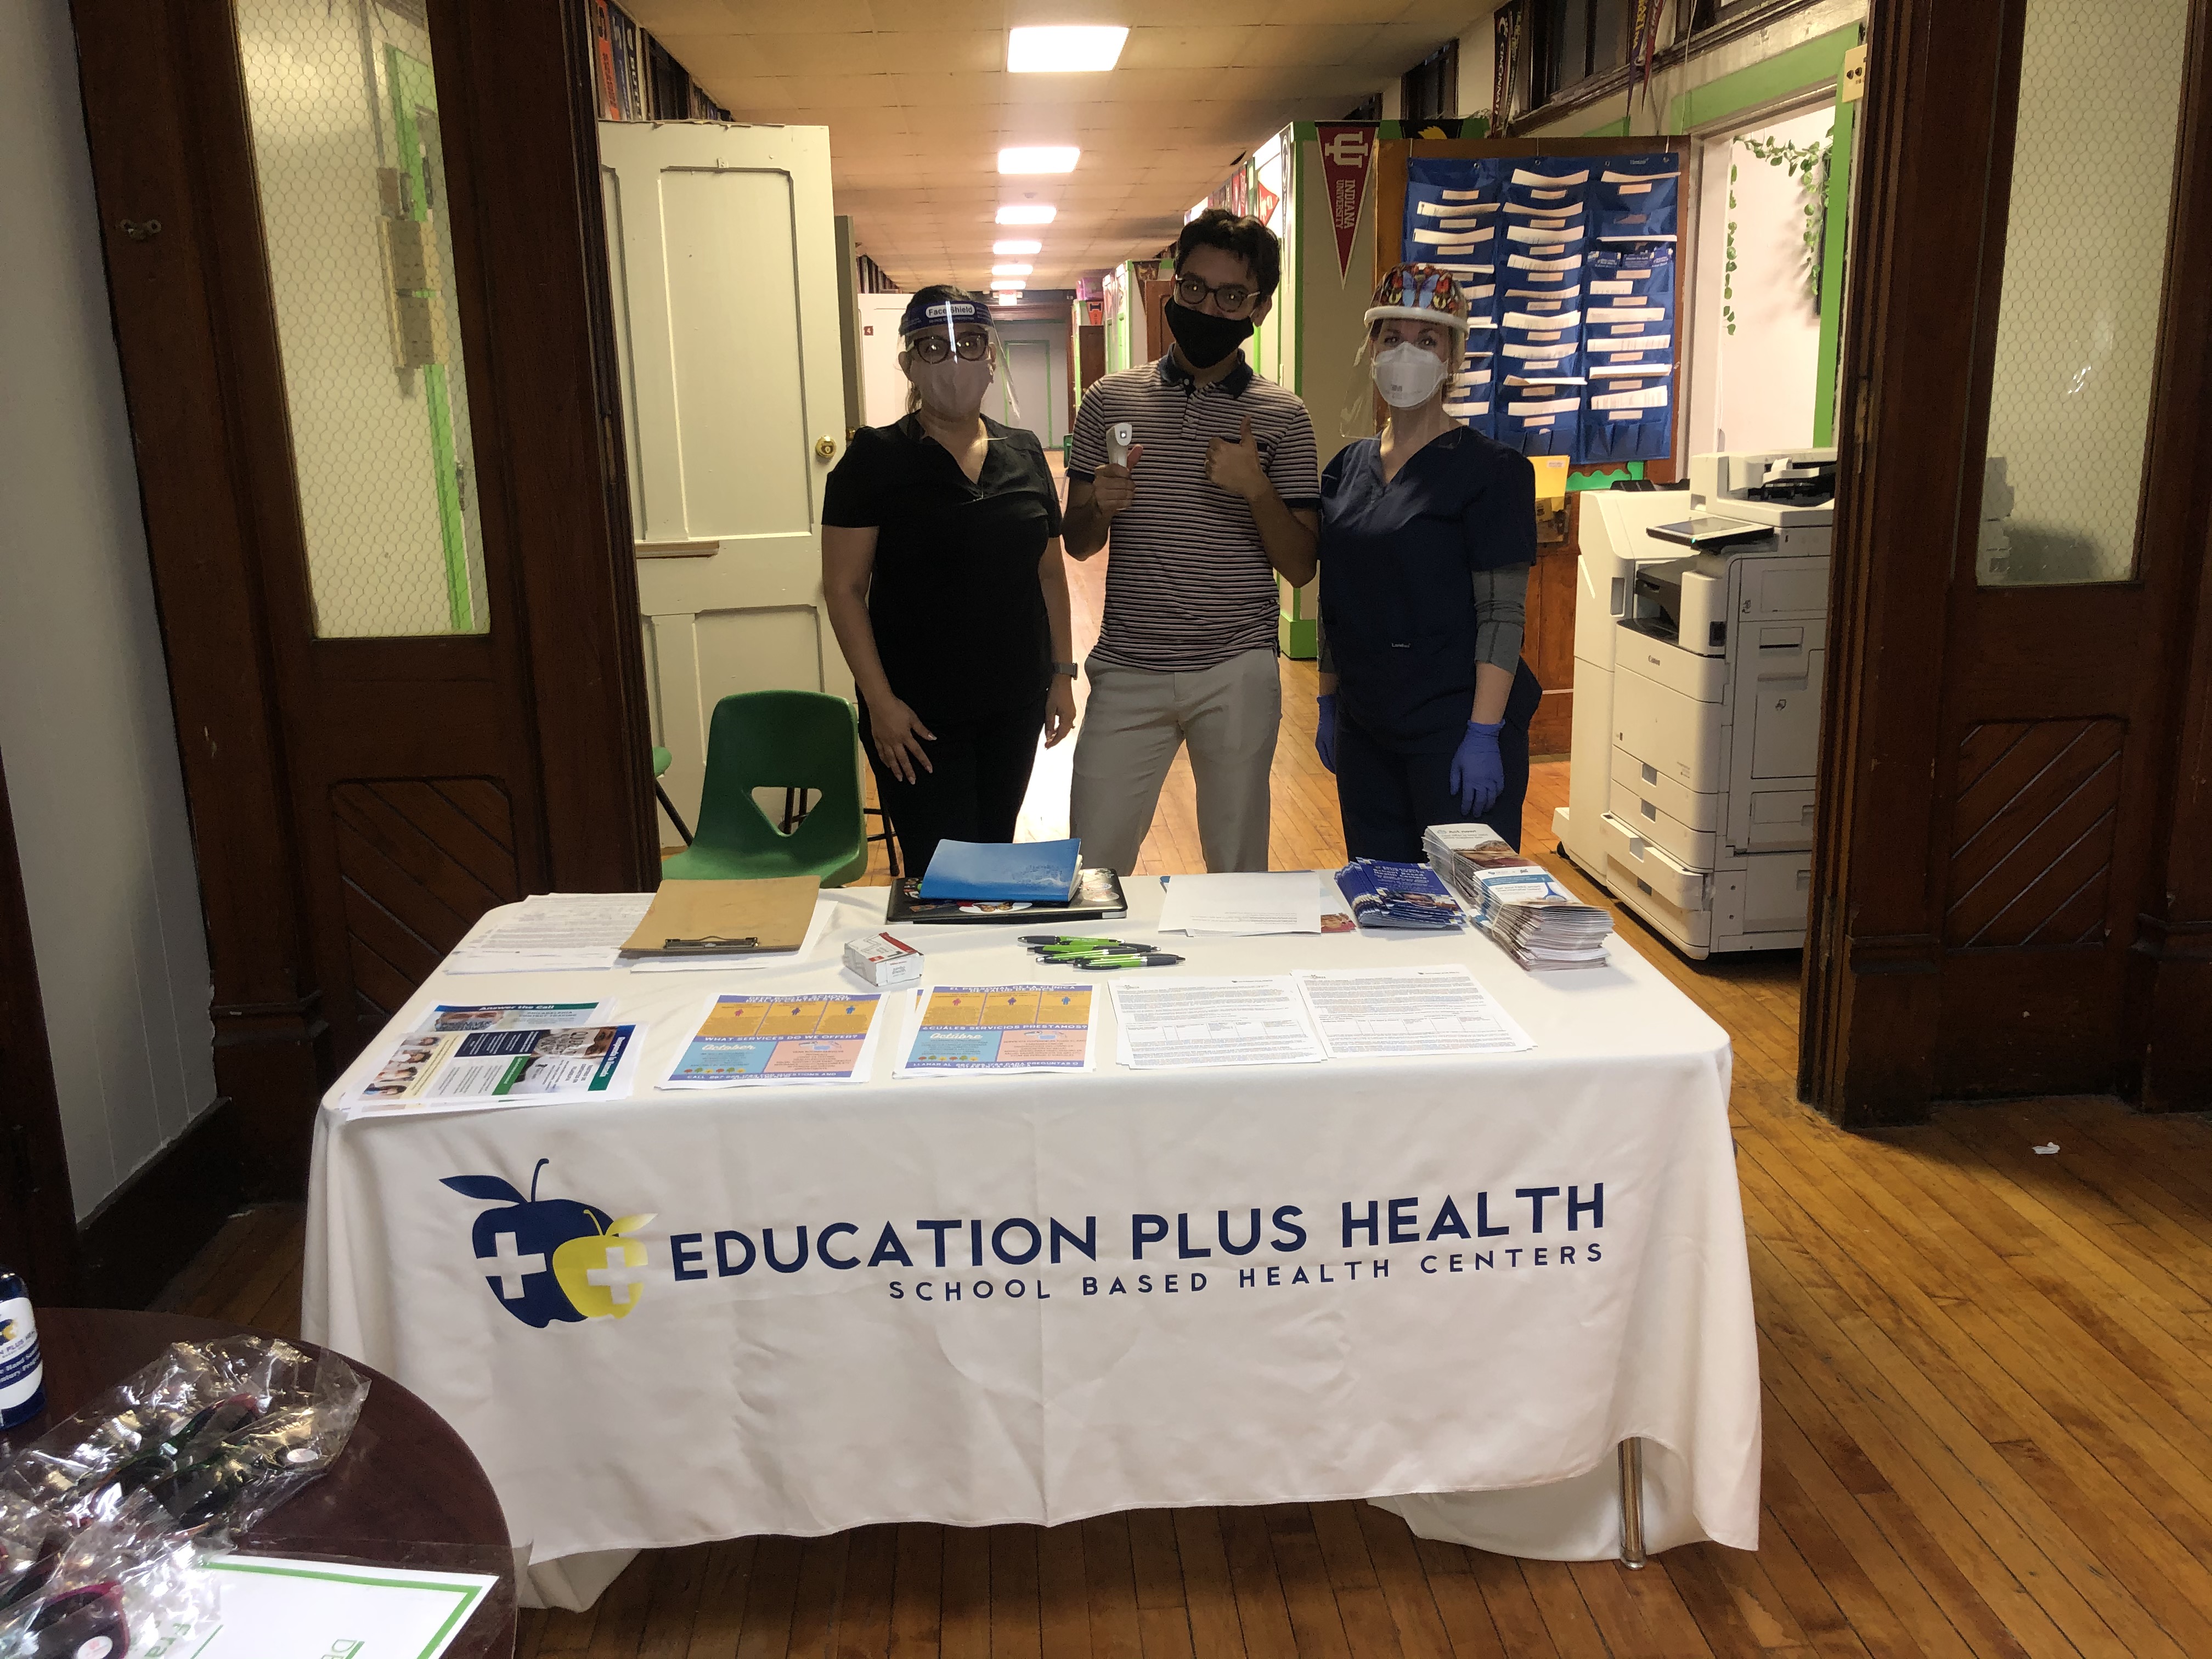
[{"x": 1134, "y": 720}]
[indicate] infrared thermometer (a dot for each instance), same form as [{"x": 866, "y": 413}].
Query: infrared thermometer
[{"x": 1119, "y": 437}]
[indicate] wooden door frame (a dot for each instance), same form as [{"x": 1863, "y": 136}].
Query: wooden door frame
[
  {"x": 1922, "y": 314},
  {"x": 172, "y": 175}
]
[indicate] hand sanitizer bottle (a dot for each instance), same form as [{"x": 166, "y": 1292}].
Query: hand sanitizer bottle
[{"x": 22, "y": 1377}]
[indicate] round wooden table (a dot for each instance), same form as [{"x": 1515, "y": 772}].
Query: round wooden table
[{"x": 406, "y": 1492}]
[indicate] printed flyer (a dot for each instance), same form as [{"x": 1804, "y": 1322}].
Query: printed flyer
[
  {"x": 767, "y": 1040},
  {"x": 448, "y": 1070},
  {"x": 978, "y": 1030}
]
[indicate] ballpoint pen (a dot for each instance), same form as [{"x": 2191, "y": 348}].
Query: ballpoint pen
[{"x": 1103, "y": 963}]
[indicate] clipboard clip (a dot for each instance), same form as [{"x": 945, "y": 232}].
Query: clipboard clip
[{"x": 709, "y": 944}]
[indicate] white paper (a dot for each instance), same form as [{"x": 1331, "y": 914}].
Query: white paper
[
  {"x": 1259, "y": 1020},
  {"x": 425, "y": 1073},
  {"x": 275, "y": 1609},
  {"x": 746, "y": 962},
  {"x": 1019, "y": 1030},
  {"x": 1437, "y": 1010},
  {"x": 516, "y": 1016},
  {"x": 1260, "y": 902},
  {"x": 813, "y": 1042},
  {"x": 552, "y": 932}
]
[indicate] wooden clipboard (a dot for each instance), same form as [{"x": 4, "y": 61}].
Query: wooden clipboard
[{"x": 718, "y": 918}]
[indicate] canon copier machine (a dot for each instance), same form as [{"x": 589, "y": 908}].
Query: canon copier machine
[{"x": 1700, "y": 637}]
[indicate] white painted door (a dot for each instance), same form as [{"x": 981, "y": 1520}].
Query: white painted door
[{"x": 723, "y": 261}]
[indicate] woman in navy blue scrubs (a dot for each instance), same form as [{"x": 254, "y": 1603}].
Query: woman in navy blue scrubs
[{"x": 1427, "y": 535}]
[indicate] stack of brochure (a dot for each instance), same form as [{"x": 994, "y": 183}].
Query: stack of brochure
[
  {"x": 1385, "y": 895},
  {"x": 1515, "y": 901}
]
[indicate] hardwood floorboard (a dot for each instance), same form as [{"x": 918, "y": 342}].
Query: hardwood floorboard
[{"x": 1987, "y": 1383}]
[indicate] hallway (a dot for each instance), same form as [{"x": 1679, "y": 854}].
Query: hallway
[{"x": 1988, "y": 1403}]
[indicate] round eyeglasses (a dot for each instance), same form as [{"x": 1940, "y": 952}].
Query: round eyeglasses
[
  {"x": 1230, "y": 298},
  {"x": 934, "y": 348}
]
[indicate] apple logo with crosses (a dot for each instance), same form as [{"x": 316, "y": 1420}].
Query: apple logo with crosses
[{"x": 553, "y": 1258}]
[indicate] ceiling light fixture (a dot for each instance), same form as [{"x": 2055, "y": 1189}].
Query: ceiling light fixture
[
  {"x": 1011, "y": 270},
  {"x": 1016, "y": 248},
  {"x": 1039, "y": 158},
  {"x": 1064, "y": 49},
  {"x": 1026, "y": 216}
]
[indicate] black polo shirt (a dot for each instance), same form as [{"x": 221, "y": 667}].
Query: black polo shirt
[{"x": 956, "y": 603}]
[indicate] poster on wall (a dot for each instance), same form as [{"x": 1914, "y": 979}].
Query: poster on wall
[{"x": 1347, "y": 152}]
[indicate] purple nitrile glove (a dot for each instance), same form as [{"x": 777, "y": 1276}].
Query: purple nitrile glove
[
  {"x": 1325, "y": 729},
  {"x": 1478, "y": 771}
]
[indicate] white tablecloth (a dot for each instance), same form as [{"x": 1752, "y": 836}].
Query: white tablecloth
[{"x": 1482, "y": 1350}]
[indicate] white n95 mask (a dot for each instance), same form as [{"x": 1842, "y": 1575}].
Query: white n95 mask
[{"x": 1407, "y": 376}]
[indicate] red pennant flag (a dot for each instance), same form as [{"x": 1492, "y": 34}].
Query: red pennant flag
[{"x": 1347, "y": 152}]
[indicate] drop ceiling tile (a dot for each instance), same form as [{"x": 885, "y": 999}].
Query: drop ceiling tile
[
  {"x": 750, "y": 17},
  {"x": 1190, "y": 45},
  {"x": 1303, "y": 43},
  {"x": 1141, "y": 14},
  {"x": 881, "y": 53}
]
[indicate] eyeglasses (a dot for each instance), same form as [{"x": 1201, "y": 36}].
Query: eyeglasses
[
  {"x": 935, "y": 348},
  {"x": 1230, "y": 298}
]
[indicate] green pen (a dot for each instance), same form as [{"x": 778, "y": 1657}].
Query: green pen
[{"x": 1141, "y": 959}]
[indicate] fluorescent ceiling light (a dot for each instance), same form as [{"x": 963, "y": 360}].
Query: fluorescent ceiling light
[
  {"x": 1039, "y": 158},
  {"x": 1063, "y": 49},
  {"x": 1011, "y": 270},
  {"x": 1026, "y": 216},
  {"x": 1016, "y": 248}
]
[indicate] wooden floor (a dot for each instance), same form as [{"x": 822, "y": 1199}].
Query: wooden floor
[{"x": 1988, "y": 1384}]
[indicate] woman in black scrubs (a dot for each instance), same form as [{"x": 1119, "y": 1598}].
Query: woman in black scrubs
[
  {"x": 941, "y": 569},
  {"x": 1427, "y": 535}
]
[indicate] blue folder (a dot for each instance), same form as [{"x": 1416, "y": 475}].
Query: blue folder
[{"x": 1034, "y": 872}]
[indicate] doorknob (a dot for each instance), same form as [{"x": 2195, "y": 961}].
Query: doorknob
[{"x": 825, "y": 447}]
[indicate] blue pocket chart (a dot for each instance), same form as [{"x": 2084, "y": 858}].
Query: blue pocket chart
[
  {"x": 1568, "y": 263},
  {"x": 1635, "y": 196},
  {"x": 1538, "y": 420},
  {"x": 1628, "y": 420},
  {"x": 1626, "y": 275}
]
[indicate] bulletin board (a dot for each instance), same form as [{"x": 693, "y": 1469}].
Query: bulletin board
[{"x": 1619, "y": 199}]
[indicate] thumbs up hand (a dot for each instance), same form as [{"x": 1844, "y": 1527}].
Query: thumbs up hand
[{"x": 1237, "y": 467}]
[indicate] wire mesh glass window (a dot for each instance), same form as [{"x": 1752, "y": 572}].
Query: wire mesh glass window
[
  {"x": 2093, "y": 162},
  {"x": 351, "y": 175}
]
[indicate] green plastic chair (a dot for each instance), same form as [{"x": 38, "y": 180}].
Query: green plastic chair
[{"x": 787, "y": 740}]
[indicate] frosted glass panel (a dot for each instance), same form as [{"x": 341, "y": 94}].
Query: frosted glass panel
[
  {"x": 345, "y": 116},
  {"x": 2085, "y": 259}
]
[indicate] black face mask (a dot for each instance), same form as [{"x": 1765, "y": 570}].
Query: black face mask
[{"x": 1206, "y": 339}]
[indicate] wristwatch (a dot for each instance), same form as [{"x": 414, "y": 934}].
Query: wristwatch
[{"x": 1067, "y": 668}]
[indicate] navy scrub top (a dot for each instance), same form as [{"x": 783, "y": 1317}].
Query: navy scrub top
[{"x": 1397, "y": 562}]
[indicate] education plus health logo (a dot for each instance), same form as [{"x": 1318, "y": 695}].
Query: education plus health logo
[{"x": 554, "y": 1258}]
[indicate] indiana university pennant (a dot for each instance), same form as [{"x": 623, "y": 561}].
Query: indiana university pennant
[{"x": 1346, "y": 153}]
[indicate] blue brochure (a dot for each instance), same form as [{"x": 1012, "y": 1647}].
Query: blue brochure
[{"x": 1038, "y": 871}]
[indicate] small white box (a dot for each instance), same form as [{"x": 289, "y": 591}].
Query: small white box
[{"x": 884, "y": 961}]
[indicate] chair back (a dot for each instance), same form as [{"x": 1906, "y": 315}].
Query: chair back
[{"x": 778, "y": 740}]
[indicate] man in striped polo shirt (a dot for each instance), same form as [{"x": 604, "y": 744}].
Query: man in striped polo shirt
[{"x": 1221, "y": 493}]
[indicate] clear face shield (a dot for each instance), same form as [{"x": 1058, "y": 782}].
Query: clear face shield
[
  {"x": 1402, "y": 378},
  {"x": 956, "y": 363}
]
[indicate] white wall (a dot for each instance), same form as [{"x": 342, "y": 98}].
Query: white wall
[
  {"x": 1753, "y": 389},
  {"x": 86, "y": 730}
]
